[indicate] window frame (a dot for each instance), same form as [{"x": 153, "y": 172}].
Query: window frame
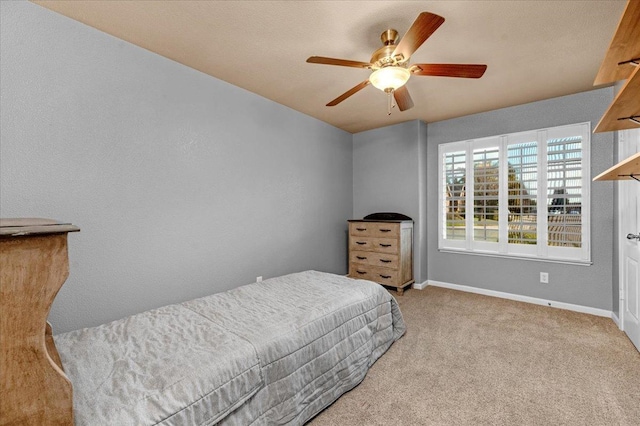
[{"x": 540, "y": 251}]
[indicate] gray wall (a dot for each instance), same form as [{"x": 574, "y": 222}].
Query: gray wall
[
  {"x": 183, "y": 185},
  {"x": 582, "y": 285},
  {"x": 392, "y": 171},
  {"x": 389, "y": 175}
]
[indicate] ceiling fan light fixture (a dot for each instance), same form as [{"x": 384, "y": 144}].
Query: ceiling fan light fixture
[{"x": 389, "y": 78}]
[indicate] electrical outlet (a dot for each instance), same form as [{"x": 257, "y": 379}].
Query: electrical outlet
[
  {"x": 259, "y": 279},
  {"x": 544, "y": 277}
]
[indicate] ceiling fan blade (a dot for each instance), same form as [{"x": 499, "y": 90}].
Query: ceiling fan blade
[
  {"x": 348, "y": 93},
  {"x": 340, "y": 62},
  {"x": 449, "y": 70},
  {"x": 403, "y": 98},
  {"x": 425, "y": 24}
]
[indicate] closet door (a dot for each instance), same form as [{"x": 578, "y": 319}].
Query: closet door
[{"x": 629, "y": 205}]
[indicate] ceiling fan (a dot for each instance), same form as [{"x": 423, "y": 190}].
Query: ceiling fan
[{"x": 390, "y": 63}]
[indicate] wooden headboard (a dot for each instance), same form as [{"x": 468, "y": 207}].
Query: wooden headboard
[{"x": 33, "y": 266}]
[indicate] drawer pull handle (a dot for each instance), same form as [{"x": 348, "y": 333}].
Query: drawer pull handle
[
  {"x": 386, "y": 277},
  {"x": 361, "y": 243},
  {"x": 361, "y": 229},
  {"x": 361, "y": 257},
  {"x": 385, "y": 230},
  {"x": 384, "y": 245},
  {"x": 385, "y": 261},
  {"x": 361, "y": 272}
]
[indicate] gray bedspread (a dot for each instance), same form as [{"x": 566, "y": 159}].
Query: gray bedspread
[{"x": 275, "y": 352}]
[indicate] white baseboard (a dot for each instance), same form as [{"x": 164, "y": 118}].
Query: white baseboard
[
  {"x": 421, "y": 286},
  {"x": 615, "y": 319},
  {"x": 520, "y": 298}
]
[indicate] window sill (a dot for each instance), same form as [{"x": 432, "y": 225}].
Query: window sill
[{"x": 519, "y": 257}]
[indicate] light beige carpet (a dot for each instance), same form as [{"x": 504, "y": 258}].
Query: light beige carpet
[{"x": 468, "y": 359}]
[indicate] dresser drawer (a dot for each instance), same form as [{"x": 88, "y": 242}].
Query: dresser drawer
[
  {"x": 380, "y": 275},
  {"x": 374, "y": 229},
  {"x": 374, "y": 258},
  {"x": 381, "y": 245}
]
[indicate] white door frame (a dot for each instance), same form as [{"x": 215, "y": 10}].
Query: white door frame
[{"x": 620, "y": 318}]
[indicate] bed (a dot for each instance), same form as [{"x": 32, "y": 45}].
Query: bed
[{"x": 275, "y": 352}]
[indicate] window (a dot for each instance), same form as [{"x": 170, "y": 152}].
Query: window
[{"x": 522, "y": 195}]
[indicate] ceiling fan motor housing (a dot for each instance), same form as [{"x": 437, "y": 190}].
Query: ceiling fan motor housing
[
  {"x": 383, "y": 57},
  {"x": 389, "y": 37}
]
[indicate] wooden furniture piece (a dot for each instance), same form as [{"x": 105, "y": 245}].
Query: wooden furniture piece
[
  {"x": 622, "y": 61},
  {"x": 33, "y": 266},
  {"x": 382, "y": 251}
]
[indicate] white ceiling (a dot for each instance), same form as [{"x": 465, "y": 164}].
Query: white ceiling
[{"x": 533, "y": 49}]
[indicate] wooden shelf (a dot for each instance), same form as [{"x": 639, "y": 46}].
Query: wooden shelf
[
  {"x": 626, "y": 104},
  {"x": 623, "y": 170},
  {"x": 624, "y": 46},
  {"x": 623, "y": 62}
]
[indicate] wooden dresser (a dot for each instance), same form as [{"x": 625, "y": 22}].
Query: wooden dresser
[{"x": 382, "y": 251}]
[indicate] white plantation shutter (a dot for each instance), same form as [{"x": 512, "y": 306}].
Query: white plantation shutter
[
  {"x": 522, "y": 160},
  {"x": 564, "y": 191},
  {"x": 524, "y": 195},
  {"x": 567, "y": 192},
  {"x": 486, "y": 191},
  {"x": 454, "y": 177}
]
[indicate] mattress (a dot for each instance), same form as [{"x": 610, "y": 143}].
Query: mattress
[{"x": 275, "y": 352}]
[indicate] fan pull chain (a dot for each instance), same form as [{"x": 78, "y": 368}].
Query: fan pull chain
[{"x": 390, "y": 102}]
